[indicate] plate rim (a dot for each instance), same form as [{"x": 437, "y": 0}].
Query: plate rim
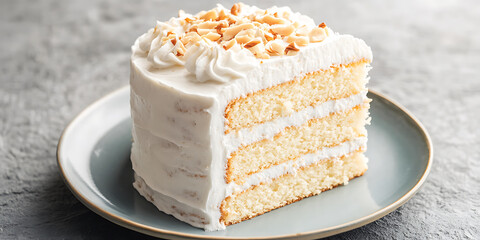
[{"x": 319, "y": 233}]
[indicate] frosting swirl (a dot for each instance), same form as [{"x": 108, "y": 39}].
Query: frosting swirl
[
  {"x": 215, "y": 63},
  {"x": 162, "y": 56}
]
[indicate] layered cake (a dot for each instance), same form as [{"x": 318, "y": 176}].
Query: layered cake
[{"x": 240, "y": 111}]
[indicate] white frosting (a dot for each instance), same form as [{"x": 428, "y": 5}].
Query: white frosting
[
  {"x": 180, "y": 149},
  {"x": 162, "y": 56},
  {"x": 150, "y": 44},
  {"x": 214, "y": 63},
  {"x": 169, "y": 205}
]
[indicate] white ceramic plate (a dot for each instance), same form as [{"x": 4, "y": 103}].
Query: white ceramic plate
[{"x": 94, "y": 158}]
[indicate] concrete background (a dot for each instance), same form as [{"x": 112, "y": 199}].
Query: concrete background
[{"x": 56, "y": 57}]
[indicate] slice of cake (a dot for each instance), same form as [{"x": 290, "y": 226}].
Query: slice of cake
[{"x": 240, "y": 111}]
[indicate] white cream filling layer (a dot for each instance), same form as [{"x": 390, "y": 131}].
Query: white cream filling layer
[
  {"x": 292, "y": 167},
  {"x": 268, "y": 130}
]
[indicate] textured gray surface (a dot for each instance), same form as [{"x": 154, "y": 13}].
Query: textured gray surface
[{"x": 56, "y": 57}]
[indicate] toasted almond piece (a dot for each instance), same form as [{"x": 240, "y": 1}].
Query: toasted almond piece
[
  {"x": 317, "y": 34},
  {"x": 242, "y": 20},
  {"x": 232, "y": 31},
  {"x": 298, "y": 40},
  {"x": 230, "y": 20},
  {"x": 202, "y": 32},
  {"x": 291, "y": 47},
  {"x": 271, "y": 20},
  {"x": 256, "y": 47},
  {"x": 248, "y": 32},
  {"x": 302, "y": 31},
  {"x": 262, "y": 55},
  {"x": 210, "y": 15},
  {"x": 291, "y": 53},
  {"x": 207, "y": 25},
  {"x": 322, "y": 25},
  {"x": 236, "y": 8},
  {"x": 302, "y": 41},
  {"x": 190, "y": 37},
  {"x": 221, "y": 15},
  {"x": 283, "y": 29},
  {"x": 192, "y": 29},
  {"x": 262, "y": 26},
  {"x": 243, "y": 39},
  {"x": 260, "y": 33},
  {"x": 268, "y": 36},
  {"x": 229, "y": 44},
  {"x": 213, "y": 36},
  {"x": 168, "y": 38},
  {"x": 180, "y": 48},
  {"x": 275, "y": 47},
  {"x": 221, "y": 25},
  {"x": 252, "y": 43}
]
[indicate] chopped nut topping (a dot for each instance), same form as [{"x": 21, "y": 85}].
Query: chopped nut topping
[
  {"x": 231, "y": 32},
  {"x": 205, "y": 31},
  {"x": 302, "y": 31},
  {"x": 212, "y": 36},
  {"x": 283, "y": 29},
  {"x": 208, "y": 25},
  {"x": 243, "y": 39},
  {"x": 252, "y": 43},
  {"x": 271, "y": 20},
  {"x": 210, "y": 15},
  {"x": 265, "y": 33},
  {"x": 235, "y": 10},
  {"x": 180, "y": 49},
  {"x": 276, "y": 47},
  {"x": 317, "y": 35},
  {"x": 229, "y": 44},
  {"x": 263, "y": 55},
  {"x": 298, "y": 40},
  {"x": 221, "y": 15},
  {"x": 292, "y": 47}
]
